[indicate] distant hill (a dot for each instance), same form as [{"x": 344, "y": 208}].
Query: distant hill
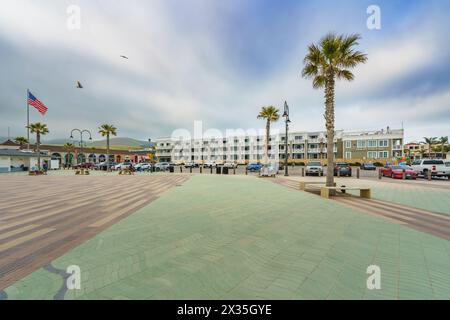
[{"x": 121, "y": 143}]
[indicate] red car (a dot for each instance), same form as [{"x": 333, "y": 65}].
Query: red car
[{"x": 396, "y": 172}]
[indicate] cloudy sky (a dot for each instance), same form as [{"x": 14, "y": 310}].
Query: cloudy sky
[{"x": 219, "y": 62}]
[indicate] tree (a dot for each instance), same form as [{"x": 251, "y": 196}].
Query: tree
[
  {"x": 106, "y": 130},
  {"x": 21, "y": 141},
  {"x": 40, "y": 129},
  {"x": 270, "y": 114},
  {"x": 330, "y": 60},
  {"x": 443, "y": 141},
  {"x": 69, "y": 148},
  {"x": 430, "y": 142}
]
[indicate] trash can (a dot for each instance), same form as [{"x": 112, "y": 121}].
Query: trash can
[
  {"x": 225, "y": 170},
  {"x": 218, "y": 170},
  {"x": 171, "y": 169}
]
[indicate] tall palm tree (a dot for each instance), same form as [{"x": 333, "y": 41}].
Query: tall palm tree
[
  {"x": 270, "y": 114},
  {"x": 69, "y": 147},
  {"x": 430, "y": 142},
  {"x": 106, "y": 130},
  {"x": 21, "y": 141},
  {"x": 40, "y": 129},
  {"x": 330, "y": 60},
  {"x": 443, "y": 141}
]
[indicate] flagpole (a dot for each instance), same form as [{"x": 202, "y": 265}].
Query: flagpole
[{"x": 28, "y": 121}]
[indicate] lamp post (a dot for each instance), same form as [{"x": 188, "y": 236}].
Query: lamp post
[
  {"x": 286, "y": 153},
  {"x": 81, "y": 137}
]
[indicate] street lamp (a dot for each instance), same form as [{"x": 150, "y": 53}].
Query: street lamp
[
  {"x": 286, "y": 153},
  {"x": 81, "y": 137}
]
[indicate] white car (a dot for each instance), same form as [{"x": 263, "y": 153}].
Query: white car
[
  {"x": 437, "y": 167},
  {"x": 143, "y": 167},
  {"x": 314, "y": 168},
  {"x": 162, "y": 166},
  {"x": 123, "y": 165},
  {"x": 210, "y": 164}
]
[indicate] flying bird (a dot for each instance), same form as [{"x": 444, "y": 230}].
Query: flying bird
[
  {"x": 125, "y": 57},
  {"x": 79, "y": 86}
]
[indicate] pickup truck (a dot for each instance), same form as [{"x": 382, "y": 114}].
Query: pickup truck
[{"x": 437, "y": 167}]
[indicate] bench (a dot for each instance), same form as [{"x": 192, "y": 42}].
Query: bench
[
  {"x": 363, "y": 192},
  {"x": 37, "y": 173},
  {"x": 82, "y": 172},
  {"x": 126, "y": 171},
  {"x": 303, "y": 184}
]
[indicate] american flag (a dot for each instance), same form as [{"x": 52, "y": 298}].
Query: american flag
[{"x": 33, "y": 101}]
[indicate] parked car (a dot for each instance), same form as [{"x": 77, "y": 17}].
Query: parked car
[
  {"x": 396, "y": 172},
  {"x": 162, "y": 166},
  {"x": 191, "y": 165},
  {"x": 210, "y": 164},
  {"x": 343, "y": 168},
  {"x": 230, "y": 165},
  {"x": 368, "y": 166},
  {"x": 437, "y": 167},
  {"x": 123, "y": 166},
  {"x": 103, "y": 165},
  {"x": 143, "y": 166},
  {"x": 314, "y": 168},
  {"x": 252, "y": 167},
  {"x": 85, "y": 166}
]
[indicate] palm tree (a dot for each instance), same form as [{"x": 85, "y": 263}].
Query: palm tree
[
  {"x": 270, "y": 114},
  {"x": 443, "y": 141},
  {"x": 106, "y": 130},
  {"x": 422, "y": 153},
  {"x": 69, "y": 147},
  {"x": 325, "y": 62},
  {"x": 21, "y": 141},
  {"x": 430, "y": 142},
  {"x": 41, "y": 130}
]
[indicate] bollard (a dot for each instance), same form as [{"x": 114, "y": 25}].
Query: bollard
[
  {"x": 338, "y": 172},
  {"x": 190, "y": 169},
  {"x": 246, "y": 171},
  {"x": 234, "y": 170},
  {"x": 211, "y": 169},
  {"x": 357, "y": 173},
  {"x": 379, "y": 174},
  {"x": 181, "y": 169},
  {"x": 404, "y": 174},
  {"x": 429, "y": 175},
  {"x": 303, "y": 172},
  {"x": 201, "y": 169}
]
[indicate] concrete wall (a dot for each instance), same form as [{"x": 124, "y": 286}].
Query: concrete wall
[{"x": 5, "y": 164}]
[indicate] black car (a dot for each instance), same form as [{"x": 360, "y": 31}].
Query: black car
[
  {"x": 368, "y": 166},
  {"x": 344, "y": 169}
]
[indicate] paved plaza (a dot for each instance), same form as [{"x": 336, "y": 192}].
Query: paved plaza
[{"x": 213, "y": 237}]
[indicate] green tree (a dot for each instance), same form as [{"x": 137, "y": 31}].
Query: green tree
[
  {"x": 40, "y": 129},
  {"x": 106, "y": 130},
  {"x": 270, "y": 114},
  {"x": 21, "y": 141},
  {"x": 330, "y": 60},
  {"x": 431, "y": 141},
  {"x": 443, "y": 141},
  {"x": 69, "y": 148}
]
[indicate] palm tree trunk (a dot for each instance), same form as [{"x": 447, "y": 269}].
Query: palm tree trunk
[
  {"x": 107, "y": 153},
  {"x": 266, "y": 160},
  {"x": 38, "y": 141},
  {"x": 329, "y": 119}
]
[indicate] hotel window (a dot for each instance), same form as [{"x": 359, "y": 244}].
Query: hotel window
[
  {"x": 361, "y": 143},
  {"x": 383, "y": 143},
  {"x": 348, "y": 155},
  {"x": 383, "y": 154},
  {"x": 299, "y": 138},
  {"x": 348, "y": 144},
  {"x": 371, "y": 143},
  {"x": 372, "y": 154}
]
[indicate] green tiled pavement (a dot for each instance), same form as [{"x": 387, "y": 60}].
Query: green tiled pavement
[{"x": 245, "y": 238}]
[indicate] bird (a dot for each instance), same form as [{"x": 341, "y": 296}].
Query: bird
[
  {"x": 79, "y": 86},
  {"x": 125, "y": 57}
]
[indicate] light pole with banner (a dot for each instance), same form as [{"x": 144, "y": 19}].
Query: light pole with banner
[{"x": 286, "y": 153}]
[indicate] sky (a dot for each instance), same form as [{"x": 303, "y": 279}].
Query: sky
[{"x": 219, "y": 62}]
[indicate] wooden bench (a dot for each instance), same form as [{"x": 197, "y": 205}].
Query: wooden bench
[
  {"x": 82, "y": 172},
  {"x": 363, "y": 192},
  {"x": 126, "y": 171},
  {"x": 37, "y": 173},
  {"x": 303, "y": 184}
]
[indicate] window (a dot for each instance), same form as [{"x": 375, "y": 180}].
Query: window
[
  {"x": 417, "y": 162},
  {"x": 433, "y": 162},
  {"x": 383, "y": 143},
  {"x": 348, "y": 155},
  {"x": 383, "y": 154},
  {"x": 348, "y": 144},
  {"x": 372, "y": 154},
  {"x": 299, "y": 138},
  {"x": 371, "y": 143},
  {"x": 361, "y": 143}
]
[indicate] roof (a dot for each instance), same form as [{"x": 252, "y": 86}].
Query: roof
[{"x": 19, "y": 153}]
